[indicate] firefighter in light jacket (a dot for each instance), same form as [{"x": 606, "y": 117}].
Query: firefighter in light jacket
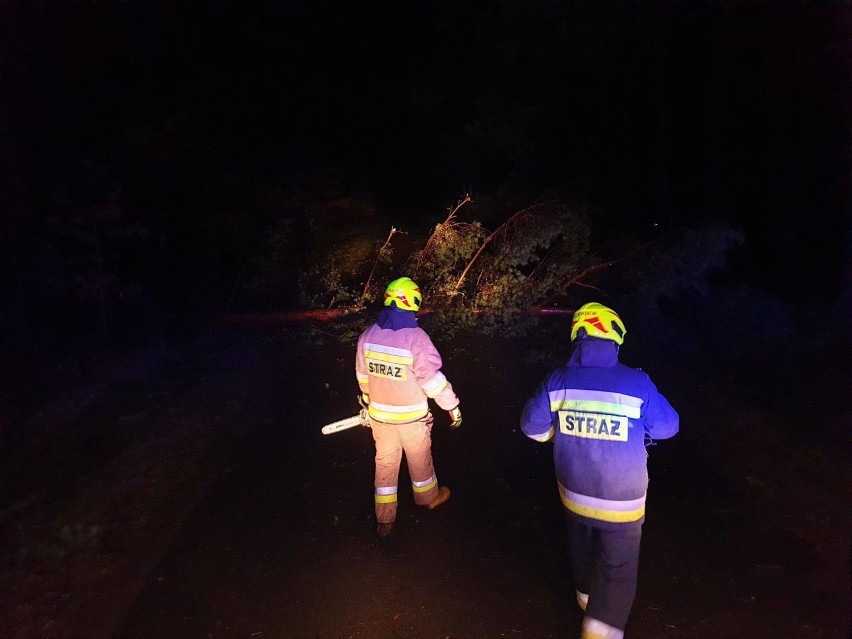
[
  {"x": 599, "y": 413},
  {"x": 398, "y": 370}
]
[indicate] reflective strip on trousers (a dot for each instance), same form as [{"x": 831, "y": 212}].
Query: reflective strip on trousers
[
  {"x": 386, "y": 494},
  {"x": 605, "y": 563},
  {"x": 594, "y": 629},
  {"x": 416, "y": 441},
  {"x": 424, "y": 486}
]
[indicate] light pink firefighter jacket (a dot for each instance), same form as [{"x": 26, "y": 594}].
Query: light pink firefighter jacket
[{"x": 399, "y": 370}]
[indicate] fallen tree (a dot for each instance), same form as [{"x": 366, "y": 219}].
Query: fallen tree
[{"x": 537, "y": 262}]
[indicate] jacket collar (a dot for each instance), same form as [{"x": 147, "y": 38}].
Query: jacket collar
[
  {"x": 594, "y": 352},
  {"x": 394, "y": 319}
]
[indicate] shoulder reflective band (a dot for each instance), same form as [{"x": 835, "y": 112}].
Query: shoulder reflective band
[
  {"x": 389, "y": 354},
  {"x": 591, "y": 401}
]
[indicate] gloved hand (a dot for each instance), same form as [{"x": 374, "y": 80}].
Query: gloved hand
[
  {"x": 455, "y": 417},
  {"x": 364, "y": 400}
]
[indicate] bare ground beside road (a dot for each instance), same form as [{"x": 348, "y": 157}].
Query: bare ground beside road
[{"x": 203, "y": 502}]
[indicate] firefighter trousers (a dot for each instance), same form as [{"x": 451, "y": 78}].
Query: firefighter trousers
[
  {"x": 605, "y": 562},
  {"x": 415, "y": 439}
]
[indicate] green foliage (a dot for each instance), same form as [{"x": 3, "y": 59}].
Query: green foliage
[
  {"x": 383, "y": 269},
  {"x": 447, "y": 252},
  {"x": 323, "y": 284},
  {"x": 335, "y": 276},
  {"x": 471, "y": 278},
  {"x": 343, "y": 332},
  {"x": 535, "y": 257},
  {"x": 485, "y": 281}
]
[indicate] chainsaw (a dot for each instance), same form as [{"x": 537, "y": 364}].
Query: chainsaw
[{"x": 361, "y": 419}]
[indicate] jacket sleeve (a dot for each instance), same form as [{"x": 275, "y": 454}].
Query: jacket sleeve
[
  {"x": 536, "y": 418},
  {"x": 361, "y": 367},
  {"x": 427, "y": 372},
  {"x": 661, "y": 420}
]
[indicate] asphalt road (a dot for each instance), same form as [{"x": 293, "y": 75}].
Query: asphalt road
[{"x": 256, "y": 525}]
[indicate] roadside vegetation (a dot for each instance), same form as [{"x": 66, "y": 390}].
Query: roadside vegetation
[{"x": 546, "y": 257}]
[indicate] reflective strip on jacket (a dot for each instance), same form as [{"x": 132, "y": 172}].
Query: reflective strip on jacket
[
  {"x": 599, "y": 411},
  {"x": 400, "y": 369}
]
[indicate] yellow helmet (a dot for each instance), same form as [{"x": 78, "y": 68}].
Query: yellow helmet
[
  {"x": 598, "y": 321},
  {"x": 405, "y": 293}
]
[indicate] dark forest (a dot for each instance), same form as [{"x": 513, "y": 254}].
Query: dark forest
[
  {"x": 200, "y": 203},
  {"x": 149, "y": 148}
]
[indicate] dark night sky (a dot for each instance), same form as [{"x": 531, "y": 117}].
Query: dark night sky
[{"x": 665, "y": 113}]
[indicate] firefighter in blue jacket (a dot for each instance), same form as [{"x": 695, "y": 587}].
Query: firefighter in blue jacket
[{"x": 600, "y": 413}]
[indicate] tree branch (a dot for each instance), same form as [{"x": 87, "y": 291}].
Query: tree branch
[
  {"x": 500, "y": 230},
  {"x": 373, "y": 270},
  {"x": 452, "y": 214},
  {"x": 597, "y": 267}
]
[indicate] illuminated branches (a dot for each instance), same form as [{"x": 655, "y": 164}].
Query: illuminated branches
[
  {"x": 469, "y": 275},
  {"x": 473, "y": 277},
  {"x": 384, "y": 255},
  {"x": 501, "y": 280}
]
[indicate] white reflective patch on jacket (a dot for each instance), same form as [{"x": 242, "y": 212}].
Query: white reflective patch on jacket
[
  {"x": 593, "y": 425},
  {"x": 396, "y": 372},
  {"x": 388, "y": 361}
]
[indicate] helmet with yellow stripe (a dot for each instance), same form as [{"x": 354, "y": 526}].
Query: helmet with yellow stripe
[
  {"x": 599, "y": 321},
  {"x": 404, "y": 293}
]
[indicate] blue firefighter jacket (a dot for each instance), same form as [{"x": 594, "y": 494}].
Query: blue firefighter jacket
[{"x": 599, "y": 412}]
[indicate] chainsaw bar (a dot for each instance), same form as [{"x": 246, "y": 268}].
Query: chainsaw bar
[{"x": 361, "y": 419}]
